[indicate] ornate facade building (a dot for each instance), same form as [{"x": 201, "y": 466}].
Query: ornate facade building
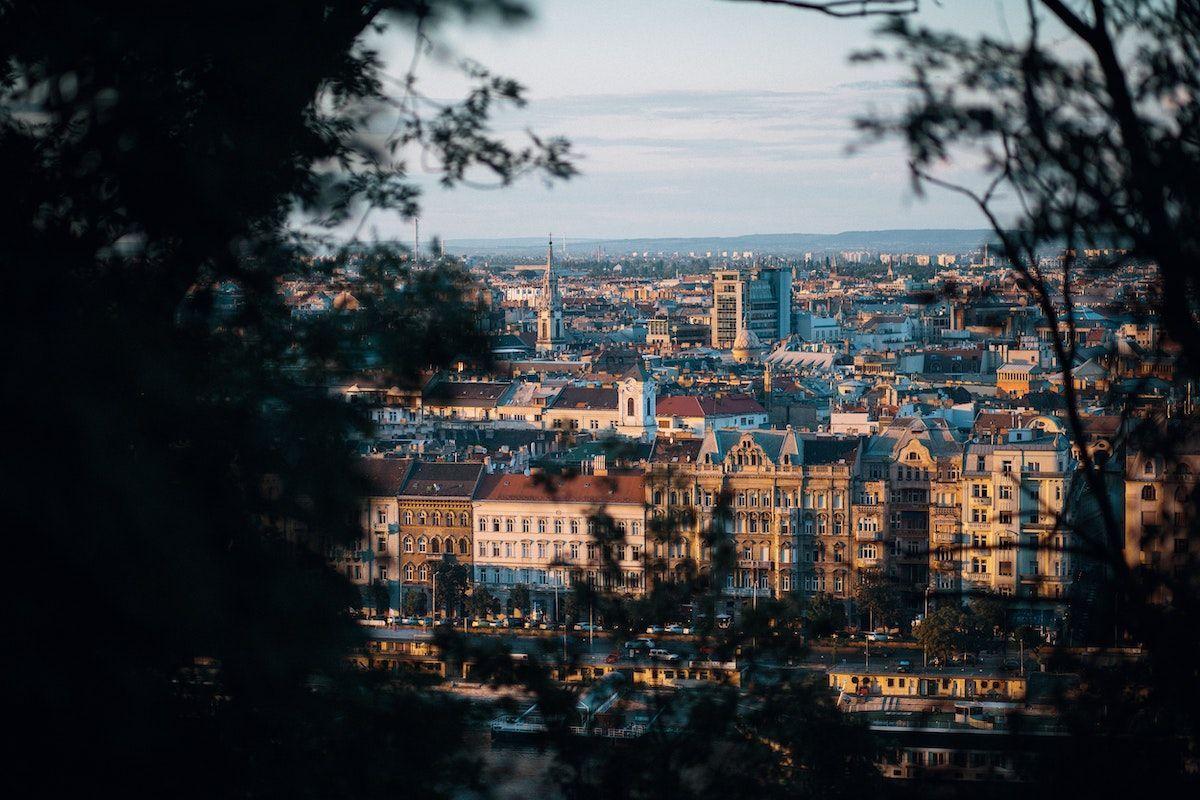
[
  {"x": 778, "y": 499},
  {"x": 434, "y": 507}
]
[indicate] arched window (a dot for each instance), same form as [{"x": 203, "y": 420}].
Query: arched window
[
  {"x": 448, "y": 547},
  {"x": 629, "y": 407},
  {"x": 423, "y": 573},
  {"x": 463, "y": 520},
  {"x": 1148, "y": 492},
  {"x": 422, "y": 545},
  {"x": 435, "y": 546},
  {"x": 437, "y": 519},
  {"x": 557, "y": 525},
  {"x": 808, "y": 526},
  {"x": 463, "y": 547},
  {"x": 409, "y": 572},
  {"x": 837, "y": 525},
  {"x": 408, "y": 544},
  {"x": 574, "y": 527},
  {"x": 822, "y": 525},
  {"x": 421, "y": 518},
  {"x": 753, "y": 524},
  {"x": 408, "y": 518}
]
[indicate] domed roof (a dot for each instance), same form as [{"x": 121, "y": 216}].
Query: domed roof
[
  {"x": 746, "y": 345},
  {"x": 746, "y": 340}
]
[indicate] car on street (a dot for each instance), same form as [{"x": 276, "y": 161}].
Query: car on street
[
  {"x": 678, "y": 629},
  {"x": 878, "y": 636},
  {"x": 612, "y": 658},
  {"x": 658, "y": 654},
  {"x": 903, "y": 665},
  {"x": 654, "y": 629}
]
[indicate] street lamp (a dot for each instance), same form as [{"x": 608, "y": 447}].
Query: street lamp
[{"x": 925, "y": 650}]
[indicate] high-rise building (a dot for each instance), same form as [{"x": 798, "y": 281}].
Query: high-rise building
[
  {"x": 550, "y": 336},
  {"x": 761, "y": 295}
]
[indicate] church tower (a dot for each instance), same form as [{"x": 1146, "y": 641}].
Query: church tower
[
  {"x": 637, "y": 403},
  {"x": 550, "y": 337}
]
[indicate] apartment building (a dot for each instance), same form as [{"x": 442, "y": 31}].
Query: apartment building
[
  {"x": 541, "y": 532},
  {"x": 1159, "y": 510},
  {"x": 910, "y": 473},
  {"x": 434, "y": 515},
  {"x": 374, "y": 560},
  {"x": 780, "y": 499},
  {"x": 1014, "y": 540}
]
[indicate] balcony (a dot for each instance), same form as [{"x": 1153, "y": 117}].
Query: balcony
[
  {"x": 868, "y": 536},
  {"x": 750, "y": 563}
]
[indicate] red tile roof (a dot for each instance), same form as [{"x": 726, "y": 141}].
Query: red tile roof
[
  {"x": 590, "y": 489},
  {"x": 692, "y": 406}
]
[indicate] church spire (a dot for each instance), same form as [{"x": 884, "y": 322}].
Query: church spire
[{"x": 550, "y": 323}]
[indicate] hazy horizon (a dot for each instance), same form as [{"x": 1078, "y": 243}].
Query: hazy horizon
[{"x": 673, "y": 138}]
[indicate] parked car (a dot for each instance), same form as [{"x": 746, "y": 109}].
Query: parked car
[
  {"x": 654, "y": 629},
  {"x": 903, "y": 665},
  {"x": 658, "y": 654},
  {"x": 646, "y": 641},
  {"x": 612, "y": 658},
  {"x": 677, "y": 629},
  {"x": 878, "y": 636}
]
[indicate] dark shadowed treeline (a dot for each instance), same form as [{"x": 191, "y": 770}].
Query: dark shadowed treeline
[{"x": 168, "y": 410}]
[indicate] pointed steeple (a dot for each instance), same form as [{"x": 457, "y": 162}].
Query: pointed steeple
[{"x": 550, "y": 324}]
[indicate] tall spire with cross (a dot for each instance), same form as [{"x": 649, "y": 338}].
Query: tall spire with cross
[{"x": 550, "y": 336}]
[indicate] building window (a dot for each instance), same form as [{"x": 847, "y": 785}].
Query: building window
[
  {"x": 408, "y": 544},
  {"x": 1148, "y": 492},
  {"x": 422, "y": 545}
]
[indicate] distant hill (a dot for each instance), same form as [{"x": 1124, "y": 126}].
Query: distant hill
[{"x": 914, "y": 240}]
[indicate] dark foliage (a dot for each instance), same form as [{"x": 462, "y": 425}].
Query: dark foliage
[{"x": 175, "y": 456}]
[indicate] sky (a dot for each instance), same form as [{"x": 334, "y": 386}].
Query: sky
[{"x": 690, "y": 118}]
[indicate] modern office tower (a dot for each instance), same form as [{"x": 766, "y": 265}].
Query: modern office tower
[{"x": 763, "y": 294}]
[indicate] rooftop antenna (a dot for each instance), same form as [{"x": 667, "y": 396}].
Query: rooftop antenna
[{"x": 416, "y": 237}]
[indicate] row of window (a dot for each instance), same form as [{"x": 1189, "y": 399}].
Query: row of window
[
  {"x": 559, "y": 550},
  {"x": 528, "y": 524},
  {"x": 434, "y": 545},
  {"x": 540, "y": 578},
  {"x": 435, "y": 518}
]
